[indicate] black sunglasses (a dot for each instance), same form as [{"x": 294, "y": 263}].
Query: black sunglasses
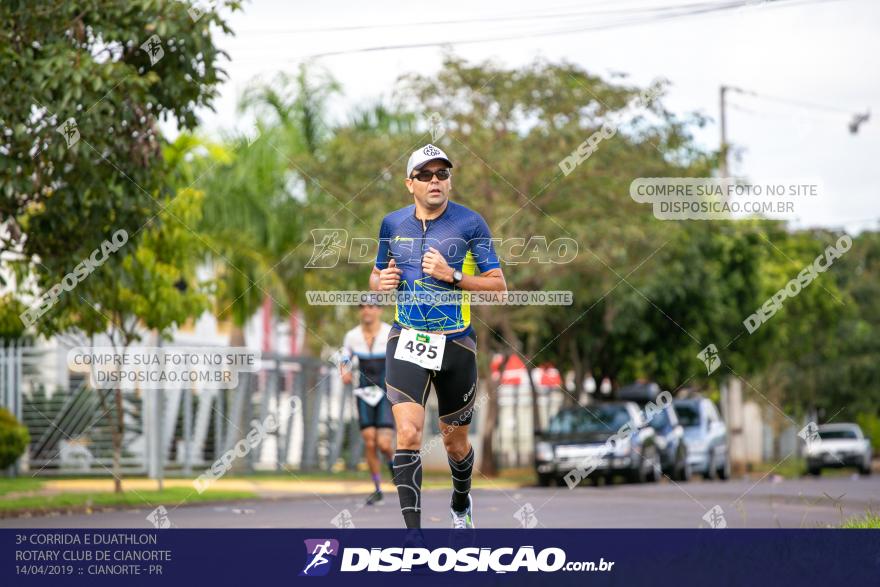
[{"x": 425, "y": 176}]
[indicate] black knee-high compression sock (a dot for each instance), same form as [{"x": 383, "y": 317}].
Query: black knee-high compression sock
[
  {"x": 391, "y": 467},
  {"x": 461, "y": 480},
  {"x": 408, "y": 479}
]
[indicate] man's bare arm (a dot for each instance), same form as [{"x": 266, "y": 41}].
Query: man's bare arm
[
  {"x": 491, "y": 280},
  {"x": 435, "y": 265}
]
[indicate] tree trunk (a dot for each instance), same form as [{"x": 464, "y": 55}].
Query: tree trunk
[
  {"x": 236, "y": 336},
  {"x": 117, "y": 442},
  {"x": 573, "y": 399},
  {"x": 487, "y": 458},
  {"x": 511, "y": 336},
  {"x": 116, "y": 424},
  {"x": 239, "y": 404},
  {"x": 159, "y": 428},
  {"x": 536, "y": 413},
  {"x": 536, "y": 419}
]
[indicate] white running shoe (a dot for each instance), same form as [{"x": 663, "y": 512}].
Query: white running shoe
[{"x": 461, "y": 521}]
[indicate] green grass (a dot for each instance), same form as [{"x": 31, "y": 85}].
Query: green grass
[
  {"x": 16, "y": 484},
  {"x": 20, "y": 494},
  {"x": 168, "y": 497},
  {"x": 793, "y": 468},
  {"x": 871, "y": 520}
]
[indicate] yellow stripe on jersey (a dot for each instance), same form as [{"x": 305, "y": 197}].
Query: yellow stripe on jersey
[{"x": 468, "y": 267}]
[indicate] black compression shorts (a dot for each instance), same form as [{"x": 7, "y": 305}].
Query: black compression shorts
[
  {"x": 455, "y": 382},
  {"x": 378, "y": 416}
]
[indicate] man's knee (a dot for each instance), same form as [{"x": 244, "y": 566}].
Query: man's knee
[
  {"x": 369, "y": 437},
  {"x": 384, "y": 442},
  {"x": 456, "y": 445},
  {"x": 409, "y": 435}
]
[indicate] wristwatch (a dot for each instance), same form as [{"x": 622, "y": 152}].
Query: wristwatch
[{"x": 456, "y": 277}]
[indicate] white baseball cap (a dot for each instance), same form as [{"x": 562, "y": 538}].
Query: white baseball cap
[{"x": 423, "y": 155}]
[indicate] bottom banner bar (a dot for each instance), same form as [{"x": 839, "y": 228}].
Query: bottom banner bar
[{"x": 395, "y": 557}]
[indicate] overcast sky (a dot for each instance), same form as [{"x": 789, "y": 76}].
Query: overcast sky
[{"x": 822, "y": 53}]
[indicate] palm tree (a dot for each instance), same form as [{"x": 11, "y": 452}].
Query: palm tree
[
  {"x": 254, "y": 210},
  {"x": 293, "y": 108}
]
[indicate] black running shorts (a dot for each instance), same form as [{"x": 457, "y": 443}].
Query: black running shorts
[
  {"x": 455, "y": 382},
  {"x": 378, "y": 416}
]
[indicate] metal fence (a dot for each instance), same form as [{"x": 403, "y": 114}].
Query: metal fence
[
  {"x": 179, "y": 431},
  {"x": 183, "y": 432}
]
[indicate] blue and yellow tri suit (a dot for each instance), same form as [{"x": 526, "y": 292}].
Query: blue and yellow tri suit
[{"x": 462, "y": 236}]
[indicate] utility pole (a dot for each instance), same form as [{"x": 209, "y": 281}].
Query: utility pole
[
  {"x": 731, "y": 389},
  {"x": 724, "y": 167},
  {"x": 723, "y": 119}
]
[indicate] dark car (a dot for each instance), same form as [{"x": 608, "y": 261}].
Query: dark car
[
  {"x": 580, "y": 433},
  {"x": 669, "y": 432},
  {"x": 671, "y": 445},
  {"x": 640, "y": 392},
  {"x": 706, "y": 437}
]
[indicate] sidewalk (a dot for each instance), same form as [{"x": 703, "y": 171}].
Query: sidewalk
[
  {"x": 26, "y": 496},
  {"x": 261, "y": 487}
]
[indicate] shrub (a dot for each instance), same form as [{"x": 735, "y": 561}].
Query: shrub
[
  {"x": 870, "y": 425},
  {"x": 14, "y": 438},
  {"x": 11, "y": 326}
]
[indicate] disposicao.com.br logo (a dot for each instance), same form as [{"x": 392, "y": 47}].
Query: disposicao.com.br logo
[
  {"x": 318, "y": 551},
  {"x": 442, "y": 560}
]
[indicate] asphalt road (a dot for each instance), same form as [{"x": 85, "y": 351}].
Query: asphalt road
[{"x": 798, "y": 503}]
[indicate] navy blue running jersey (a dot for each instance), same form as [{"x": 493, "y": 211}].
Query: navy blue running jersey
[{"x": 462, "y": 237}]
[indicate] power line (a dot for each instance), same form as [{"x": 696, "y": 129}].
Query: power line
[
  {"x": 775, "y": 114},
  {"x": 794, "y": 102},
  {"x": 692, "y": 10},
  {"x": 488, "y": 19},
  {"x": 563, "y": 31},
  {"x": 738, "y": 108},
  {"x": 857, "y": 119}
]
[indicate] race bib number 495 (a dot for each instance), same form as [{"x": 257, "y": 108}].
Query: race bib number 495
[{"x": 421, "y": 348}]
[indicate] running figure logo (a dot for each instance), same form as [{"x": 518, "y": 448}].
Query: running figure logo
[
  {"x": 327, "y": 247},
  {"x": 317, "y": 551},
  {"x": 710, "y": 357}
]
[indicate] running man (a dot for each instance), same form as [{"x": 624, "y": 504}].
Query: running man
[
  {"x": 320, "y": 550},
  {"x": 434, "y": 245},
  {"x": 367, "y": 343}
]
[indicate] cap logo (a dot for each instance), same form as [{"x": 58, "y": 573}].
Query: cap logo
[{"x": 431, "y": 151}]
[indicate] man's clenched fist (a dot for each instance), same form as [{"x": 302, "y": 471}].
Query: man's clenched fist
[
  {"x": 389, "y": 278},
  {"x": 435, "y": 265}
]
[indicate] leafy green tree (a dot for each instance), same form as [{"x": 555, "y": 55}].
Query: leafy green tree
[
  {"x": 258, "y": 200},
  {"x": 149, "y": 285},
  {"x": 86, "y": 86},
  {"x": 258, "y": 204},
  {"x": 507, "y": 131},
  {"x": 648, "y": 295},
  {"x": 840, "y": 370}
]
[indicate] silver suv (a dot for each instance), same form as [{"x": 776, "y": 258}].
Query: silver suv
[{"x": 705, "y": 436}]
